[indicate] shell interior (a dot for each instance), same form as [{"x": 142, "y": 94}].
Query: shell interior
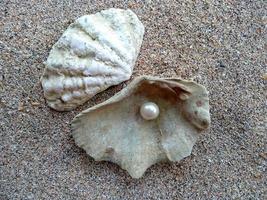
[{"x": 115, "y": 131}]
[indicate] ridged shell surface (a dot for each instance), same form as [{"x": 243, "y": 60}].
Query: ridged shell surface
[{"x": 94, "y": 53}]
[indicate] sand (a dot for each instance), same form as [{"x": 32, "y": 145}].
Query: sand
[{"x": 220, "y": 44}]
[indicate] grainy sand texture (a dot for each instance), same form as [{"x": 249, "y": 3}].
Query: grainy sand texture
[{"x": 220, "y": 44}]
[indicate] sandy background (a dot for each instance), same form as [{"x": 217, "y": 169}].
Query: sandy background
[{"x": 221, "y": 44}]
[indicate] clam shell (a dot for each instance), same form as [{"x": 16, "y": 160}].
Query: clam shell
[
  {"x": 94, "y": 53},
  {"x": 115, "y": 131}
]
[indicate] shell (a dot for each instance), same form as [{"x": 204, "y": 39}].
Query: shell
[
  {"x": 94, "y": 53},
  {"x": 115, "y": 131}
]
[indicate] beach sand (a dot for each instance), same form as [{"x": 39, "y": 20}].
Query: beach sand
[{"x": 220, "y": 44}]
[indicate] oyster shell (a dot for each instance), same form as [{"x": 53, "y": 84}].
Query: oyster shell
[
  {"x": 94, "y": 53},
  {"x": 115, "y": 131}
]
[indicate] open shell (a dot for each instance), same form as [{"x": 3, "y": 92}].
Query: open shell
[
  {"x": 115, "y": 131},
  {"x": 94, "y": 53}
]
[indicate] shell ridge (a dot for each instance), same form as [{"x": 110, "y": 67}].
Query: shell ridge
[
  {"x": 109, "y": 49},
  {"x": 102, "y": 36},
  {"x": 98, "y": 47},
  {"x": 118, "y": 26}
]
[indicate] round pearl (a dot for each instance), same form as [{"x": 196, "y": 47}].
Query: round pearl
[{"x": 149, "y": 111}]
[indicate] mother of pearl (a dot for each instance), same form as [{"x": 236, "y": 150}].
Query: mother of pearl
[{"x": 149, "y": 111}]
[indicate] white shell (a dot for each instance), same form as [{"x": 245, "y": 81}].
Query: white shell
[{"x": 94, "y": 53}]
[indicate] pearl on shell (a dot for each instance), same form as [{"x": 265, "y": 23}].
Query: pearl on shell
[{"x": 149, "y": 111}]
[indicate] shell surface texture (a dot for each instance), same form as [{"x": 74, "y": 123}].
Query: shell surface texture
[
  {"x": 151, "y": 120},
  {"x": 94, "y": 53}
]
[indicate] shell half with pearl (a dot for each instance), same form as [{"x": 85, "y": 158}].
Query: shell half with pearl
[{"x": 149, "y": 121}]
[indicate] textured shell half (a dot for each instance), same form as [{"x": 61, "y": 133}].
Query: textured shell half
[
  {"x": 94, "y": 53},
  {"x": 115, "y": 131}
]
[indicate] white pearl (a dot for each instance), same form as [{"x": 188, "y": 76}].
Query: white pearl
[{"x": 149, "y": 111}]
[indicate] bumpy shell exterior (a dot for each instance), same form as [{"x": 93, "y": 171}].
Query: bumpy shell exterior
[
  {"x": 115, "y": 131},
  {"x": 94, "y": 53}
]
